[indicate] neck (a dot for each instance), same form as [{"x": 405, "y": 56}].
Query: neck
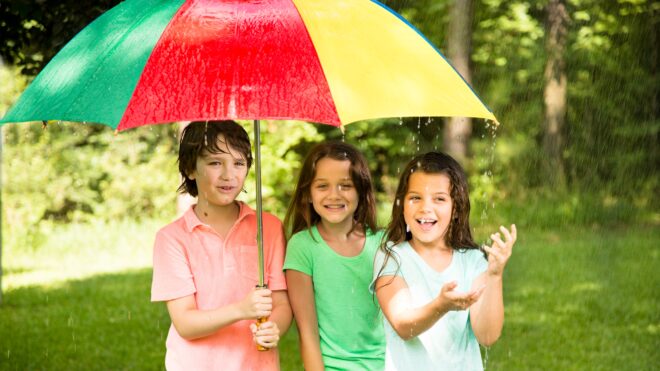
[
  {"x": 434, "y": 245},
  {"x": 213, "y": 215},
  {"x": 335, "y": 231}
]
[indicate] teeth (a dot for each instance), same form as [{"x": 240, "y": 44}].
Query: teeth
[{"x": 426, "y": 221}]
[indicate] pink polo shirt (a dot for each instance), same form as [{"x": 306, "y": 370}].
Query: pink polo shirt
[{"x": 191, "y": 258}]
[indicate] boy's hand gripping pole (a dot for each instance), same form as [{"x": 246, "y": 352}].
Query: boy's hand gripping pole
[
  {"x": 261, "y": 320},
  {"x": 260, "y": 227}
]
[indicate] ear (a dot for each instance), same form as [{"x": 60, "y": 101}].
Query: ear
[{"x": 192, "y": 175}]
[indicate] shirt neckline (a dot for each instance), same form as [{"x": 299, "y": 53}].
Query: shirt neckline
[
  {"x": 426, "y": 265},
  {"x": 317, "y": 235}
]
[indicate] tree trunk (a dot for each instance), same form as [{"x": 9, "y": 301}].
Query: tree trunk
[
  {"x": 554, "y": 95},
  {"x": 1, "y": 207},
  {"x": 183, "y": 200},
  {"x": 457, "y": 130},
  {"x": 2, "y": 65}
]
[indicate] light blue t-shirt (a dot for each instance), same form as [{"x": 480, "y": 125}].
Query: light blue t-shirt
[{"x": 450, "y": 344}]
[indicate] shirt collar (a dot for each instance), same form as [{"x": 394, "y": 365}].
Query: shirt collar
[{"x": 192, "y": 221}]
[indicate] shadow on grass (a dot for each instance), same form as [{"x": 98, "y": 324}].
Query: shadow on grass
[{"x": 105, "y": 322}]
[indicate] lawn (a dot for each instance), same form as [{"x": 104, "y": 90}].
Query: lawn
[{"x": 576, "y": 299}]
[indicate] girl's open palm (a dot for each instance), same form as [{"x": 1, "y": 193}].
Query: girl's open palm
[{"x": 500, "y": 251}]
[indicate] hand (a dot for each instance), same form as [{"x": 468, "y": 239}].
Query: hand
[
  {"x": 500, "y": 251},
  {"x": 453, "y": 300},
  {"x": 267, "y": 334},
  {"x": 258, "y": 303}
]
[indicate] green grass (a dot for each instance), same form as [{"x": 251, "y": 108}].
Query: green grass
[{"x": 576, "y": 299}]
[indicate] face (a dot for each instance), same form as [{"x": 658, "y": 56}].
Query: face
[
  {"x": 219, "y": 176},
  {"x": 427, "y": 208},
  {"x": 333, "y": 194}
]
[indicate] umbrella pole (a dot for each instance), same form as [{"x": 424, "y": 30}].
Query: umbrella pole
[{"x": 260, "y": 228}]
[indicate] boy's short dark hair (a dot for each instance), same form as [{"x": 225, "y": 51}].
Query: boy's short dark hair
[{"x": 201, "y": 136}]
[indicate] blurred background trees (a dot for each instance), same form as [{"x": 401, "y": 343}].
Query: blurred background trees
[{"x": 573, "y": 82}]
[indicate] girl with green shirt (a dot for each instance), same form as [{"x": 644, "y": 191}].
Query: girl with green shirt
[{"x": 329, "y": 261}]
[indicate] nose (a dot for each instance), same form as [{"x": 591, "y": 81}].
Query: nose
[
  {"x": 425, "y": 205},
  {"x": 226, "y": 172},
  {"x": 335, "y": 191}
]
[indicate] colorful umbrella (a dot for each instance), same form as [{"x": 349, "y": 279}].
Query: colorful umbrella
[{"x": 325, "y": 61}]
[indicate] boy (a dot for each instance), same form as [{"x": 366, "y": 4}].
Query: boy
[{"x": 205, "y": 262}]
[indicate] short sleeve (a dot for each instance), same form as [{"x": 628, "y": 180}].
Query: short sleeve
[
  {"x": 385, "y": 265},
  {"x": 172, "y": 277},
  {"x": 277, "y": 244},
  {"x": 477, "y": 263},
  {"x": 298, "y": 254}
]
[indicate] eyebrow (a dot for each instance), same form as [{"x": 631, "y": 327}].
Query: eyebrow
[
  {"x": 324, "y": 179},
  {"x": 434, "y": 193}
]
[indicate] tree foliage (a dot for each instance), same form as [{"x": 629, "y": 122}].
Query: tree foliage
[{"x": 77, "y": 172}]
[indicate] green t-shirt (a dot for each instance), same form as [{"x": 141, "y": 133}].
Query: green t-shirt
[{"x": 350, "y": 328}]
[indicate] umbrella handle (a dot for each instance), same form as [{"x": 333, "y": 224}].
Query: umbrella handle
[{"x": 261, "y": 320}]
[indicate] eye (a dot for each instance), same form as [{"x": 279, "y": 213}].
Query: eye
[
  {"x": 321, "y": 186},
  {"x": 239, "y": 163},
  {"x": 413, "y": 198},
  {"x": 440, "y": 199},
  {"x": 345, "y": 186}
]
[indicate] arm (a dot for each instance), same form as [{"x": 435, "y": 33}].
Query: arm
[
  {"x": 301, "y": 295},
  {"x": 487, "y": 314},
  {"x": 268, "y": 333},
  {"x": 408, "y": 322},
  {"x": 192, "y": 323}
]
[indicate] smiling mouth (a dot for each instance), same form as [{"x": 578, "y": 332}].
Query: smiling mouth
[
  {"x": 426, "y": 224},
  {"x": 335, "y": 207}
]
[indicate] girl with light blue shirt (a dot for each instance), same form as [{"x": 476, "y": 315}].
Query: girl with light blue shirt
[{"x": 440, "y": 294}]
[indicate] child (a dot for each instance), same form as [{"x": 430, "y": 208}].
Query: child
[
  {"x": 205, "y": 263},
  {"x": 440, "y": 297},
  {"x": 329, "y": 261}
]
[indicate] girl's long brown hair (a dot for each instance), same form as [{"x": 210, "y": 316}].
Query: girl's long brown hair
[
  {"x": 301, "y": 215},
  {"x": 458, "y": 235}
]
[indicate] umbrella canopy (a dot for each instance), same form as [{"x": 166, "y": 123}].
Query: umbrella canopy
[{"x": 326, "y": 61}]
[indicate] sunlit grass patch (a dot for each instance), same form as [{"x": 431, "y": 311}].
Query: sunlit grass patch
[{"x": 75, "y": 251}]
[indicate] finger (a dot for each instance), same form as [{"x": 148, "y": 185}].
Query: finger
[
  {"x": 506, "y": 233},
  {"x": 264, "y": 300},
  {"x": 253, "y": 328},
  {"x": 266, "y": 326},
  {"x": 514, "y": 232},
  {"x": 268, "y": 341},
  {"x": 494, "y": 252},
  {"x": 497, "y": 239},
  {"x": 450, "y": 286},
  {"x": 263, "y": 292}
]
